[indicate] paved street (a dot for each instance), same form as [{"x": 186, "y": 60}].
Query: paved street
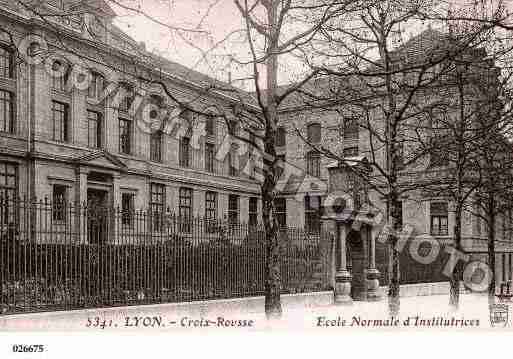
[{"x": 417, "y": 313}]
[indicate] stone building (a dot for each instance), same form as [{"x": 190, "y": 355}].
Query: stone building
[
  {"x": 426, "y": 214},
  {"x": 76, "y": 139},
  {"x": 68, "y": 142}
]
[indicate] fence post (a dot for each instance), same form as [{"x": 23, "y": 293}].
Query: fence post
[
  {"x": 342, "y": 277},
  {"x": 371, "y": 273}
]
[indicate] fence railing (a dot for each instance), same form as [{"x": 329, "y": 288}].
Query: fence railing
[{"x": 65, "y": 256}]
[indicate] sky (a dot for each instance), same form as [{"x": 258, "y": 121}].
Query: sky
[{"x": 219, "y": 18}]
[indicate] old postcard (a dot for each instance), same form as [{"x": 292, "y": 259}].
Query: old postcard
[{"x": 233, "y": 166}]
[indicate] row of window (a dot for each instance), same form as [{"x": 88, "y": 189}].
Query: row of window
[
  {"x": 313, "y": 213},
  {"x": 60, "y": 114},
  {"x": 349, "y": 131},
  {"x": 185, "y": 207},
  {"x": 61, "y": 117},
  {"x": 313, "y": 208},
  {"x": 157, "y": 205}
]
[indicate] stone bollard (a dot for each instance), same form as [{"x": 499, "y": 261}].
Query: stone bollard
[
  {"x": 372, "y": 282},
  {"x": 343, "y": 288}
]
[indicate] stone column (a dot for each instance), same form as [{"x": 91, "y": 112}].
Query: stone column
[
  {"x": 342, "y": 276},
  {"x": 371, "y": 273},
  {"x": 81, "y": 204},
  {"x": 115, "y": 222}
]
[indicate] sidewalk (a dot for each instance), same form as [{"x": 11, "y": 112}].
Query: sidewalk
[{"x": 417, "y": 313}]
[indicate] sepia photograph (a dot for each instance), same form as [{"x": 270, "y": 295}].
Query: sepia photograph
[{"x": 237, "y": 166}]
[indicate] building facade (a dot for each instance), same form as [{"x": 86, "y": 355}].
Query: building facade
[
  {"x": 70, "y": 139},
  {"x": 93, "y": 144}
]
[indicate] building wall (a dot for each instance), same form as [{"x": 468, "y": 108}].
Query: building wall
[{"x": 56, "y": 162}]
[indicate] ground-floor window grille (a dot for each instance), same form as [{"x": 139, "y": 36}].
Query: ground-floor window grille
[
  {"x": 280, "y": 211},
  {"x": 59, "y": 202},
  {"x": 233, "y": 209},
  {"x": 127, "y": 209},
  {"x": 210, "y": 211},
  {"x": 253, "y": 211},
  {"x": 185, "y": 209},
  {"x": 8, "y": 193},
  {"x": 157, "y": 205}
]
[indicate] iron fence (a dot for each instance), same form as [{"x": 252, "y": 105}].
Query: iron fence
[{"x": 61, "y": 256}]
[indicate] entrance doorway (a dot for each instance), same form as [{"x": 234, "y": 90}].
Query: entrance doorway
[{"x": 97, "y": 216}]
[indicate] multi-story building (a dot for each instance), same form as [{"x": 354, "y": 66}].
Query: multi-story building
[
  {"x": 74, "y": 138},
  {"x": 67, "y": 142},
  {"x": 425, "y": 212}
]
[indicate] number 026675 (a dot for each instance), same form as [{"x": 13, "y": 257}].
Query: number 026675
[{"x": 23, "y": 348}]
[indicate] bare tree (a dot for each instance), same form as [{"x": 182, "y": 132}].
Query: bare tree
[
  {"x": 392, "y": 86},
  {"x": 272, "y": 29},
  {"x": 492, "y": 199},
  {"x": 458, "y": 135}
]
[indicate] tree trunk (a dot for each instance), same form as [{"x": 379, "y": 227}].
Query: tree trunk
[
  {"x": 491, "y": 249},
  {"x": 272, "y": 267},
  {"x": 273, "y": 308},
  {"x": 394, "y": 263},
  {"x": 457, "y": 272}
]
